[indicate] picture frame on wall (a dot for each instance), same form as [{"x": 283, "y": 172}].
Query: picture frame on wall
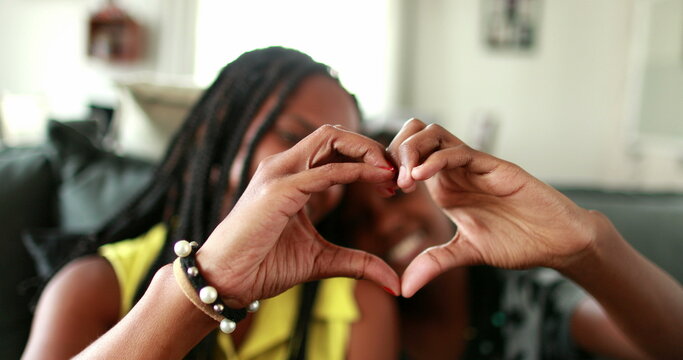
[{"x": 511, "y": 25}]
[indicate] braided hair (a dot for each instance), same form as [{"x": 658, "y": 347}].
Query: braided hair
[{"x": 183, "y": 194}]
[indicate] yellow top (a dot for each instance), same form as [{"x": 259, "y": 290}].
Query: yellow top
[{"x": 333, "y": 312}]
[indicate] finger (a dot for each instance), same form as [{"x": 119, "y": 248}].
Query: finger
[
  {"x": 413, "y": 150},
  {"x": 421, "y": 144},
  {"x": 336, "y": 261},
  {"x": 461, "y": 155},
  {"x": 434, "y": 261},
  {"x": 321, "y": 178},
  {"x": 410, "y": 128},
  {"x": 336, "y": 144}
]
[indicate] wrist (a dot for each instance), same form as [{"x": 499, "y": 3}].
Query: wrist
[
  {"x": 164, "y": 312},
  {"x": 222, "y": 278},
  {"x": 602, "y": 243},
  {"x": 165, "y": 285}
]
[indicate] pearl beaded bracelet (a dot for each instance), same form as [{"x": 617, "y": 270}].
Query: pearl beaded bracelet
[{"x": 202, "y": 295}]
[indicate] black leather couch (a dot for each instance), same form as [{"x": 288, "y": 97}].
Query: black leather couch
[{"x": 69, "y": 185}]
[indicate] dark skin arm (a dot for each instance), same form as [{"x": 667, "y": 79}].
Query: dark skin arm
[
  {"x": 85, "y": 299},
  {"x": 593, "y": 329},
  {"x": 635, "y": 300},
  {"x": 263, "y": 247},
  {"x": 78, "y": 305},
  {"x": 163, "y": 325},
  {"x": 83, "y": 302},
  {"x": 509, "y": 219}
]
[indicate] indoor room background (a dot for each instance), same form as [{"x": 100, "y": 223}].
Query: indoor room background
[
  {"x": 590, "y": 95},
  {"x": 586, "y": 95}
]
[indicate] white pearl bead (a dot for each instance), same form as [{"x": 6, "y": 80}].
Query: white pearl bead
[
  {"x": 208, "y": 294},
  {"x": 194, "y": 244},
  {"x": 228, "y": 326},
  {"x": 182, "y": 248},
  {"x": 218, "y": 308},
  {"x": 254, "y": 306},
  {"x": 192, "y": 271}
]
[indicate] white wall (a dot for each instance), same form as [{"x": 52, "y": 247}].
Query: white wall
[
  {"x": 563, "y": 107},
  {"x": 43, "y": 45},
  {"x": 354, "y": 37},
  {"x": 566, "y": 109}
]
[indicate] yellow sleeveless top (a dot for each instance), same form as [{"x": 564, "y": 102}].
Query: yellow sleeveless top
[{"x": 334, "y": 310}]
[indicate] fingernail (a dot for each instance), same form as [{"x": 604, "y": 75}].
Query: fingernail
[
  {"x": 388, "y": 168},
  {"x": 389, "y": 291},
  {"x": 402, "y": 173},
  {"x": 417, "y": 168},
  {"x": 385, "y": 191}
]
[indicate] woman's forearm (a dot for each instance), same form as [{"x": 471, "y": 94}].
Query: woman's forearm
[
  {"x": 643, "y": 301},
  {"x": 164, "y": 324}
]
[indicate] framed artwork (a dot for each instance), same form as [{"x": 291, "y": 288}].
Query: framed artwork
[
  {"x": 114, "y": 36},
  {"x": 511, "y": 25}
]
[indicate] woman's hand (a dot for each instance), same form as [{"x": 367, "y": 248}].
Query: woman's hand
[
  {"x": 267, "y": 243},
  {"x": 505, "y": 217}
]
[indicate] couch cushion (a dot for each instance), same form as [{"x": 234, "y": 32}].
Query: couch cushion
[
  {"x": 95, "y": 184},
  {"x": 651, "y": 222},
  {"x": 26, "y": 201}
]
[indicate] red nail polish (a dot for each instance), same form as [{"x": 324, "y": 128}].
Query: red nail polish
[
  {"x": 389, "y": 291},
  {"x": 388, "y": 168}
]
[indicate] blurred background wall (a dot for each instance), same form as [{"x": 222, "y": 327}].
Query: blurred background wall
[
  {"x": 594, "y": 98},
  {"x": 569, "y": 108}
]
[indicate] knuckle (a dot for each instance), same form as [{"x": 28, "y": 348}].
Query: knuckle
[
  {"x": 360, "y": 271},
  {"x": 434, "y": 127},
  {"x": 436, "y": 260},
  {"x": 327, "y": 129},
  {"x": 269, "y": 162},
  {"x": 414, "y": 122},
  {"x": 268, "y": 189},
  {"x": 406, "y": 146},
  {"x": 327, "y": 171}
]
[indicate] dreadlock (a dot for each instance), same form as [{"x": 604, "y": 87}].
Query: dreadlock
[{"x": 183, "y": 195}]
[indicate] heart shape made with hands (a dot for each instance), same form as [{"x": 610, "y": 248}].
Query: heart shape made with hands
[{"x": 505, "y": 217}]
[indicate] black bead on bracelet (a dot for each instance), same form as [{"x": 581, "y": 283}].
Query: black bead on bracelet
[{"x": 208, "y": 295}]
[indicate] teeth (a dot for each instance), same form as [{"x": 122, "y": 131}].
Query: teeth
[{"x": 406, "y": 247}]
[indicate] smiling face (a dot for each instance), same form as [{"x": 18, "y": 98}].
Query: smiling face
[
  {"x": 397, "y": 228},
  {"x": 317, "y": 101}
]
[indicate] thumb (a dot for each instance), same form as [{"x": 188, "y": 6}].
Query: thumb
[
  {"x": 336, "y": 261},
  {"x": 434, "y": 261}
]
